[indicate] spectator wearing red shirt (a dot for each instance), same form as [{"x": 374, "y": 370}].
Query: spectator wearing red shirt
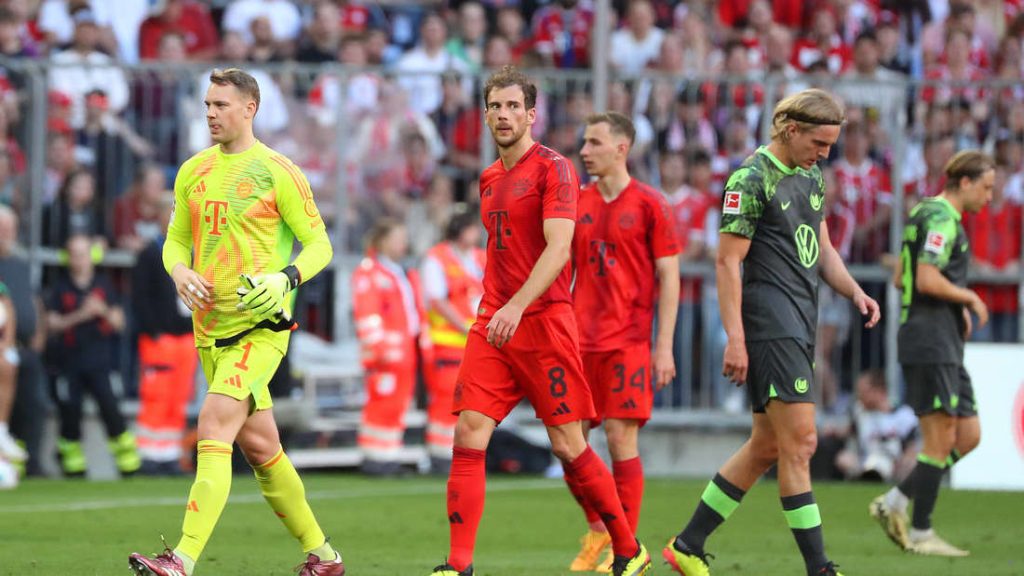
[
  {"x": 786, "y": 12},
  {"x": 137, "y": 213},
  {"x": 189, "y": 18},
  {"x": 511, "y": 26},
  {"x": 823, "y": 43},
  {"x": 864, "y": 187},
  {"x": 957, "y": 68},
  {"x": 561, "y": 34},
  {"x": 995, "y": 237}
]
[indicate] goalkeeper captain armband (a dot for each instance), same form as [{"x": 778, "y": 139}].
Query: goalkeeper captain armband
[{"x": 294, "y": 278}]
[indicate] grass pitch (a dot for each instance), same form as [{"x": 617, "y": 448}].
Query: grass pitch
[{"x": 530, "y": 527}]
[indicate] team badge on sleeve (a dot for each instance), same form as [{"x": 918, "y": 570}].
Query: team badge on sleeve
[
  {"x": 935, "y": 242},
  {"x": 731, "y": 203}
]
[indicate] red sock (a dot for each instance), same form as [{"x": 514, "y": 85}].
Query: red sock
[
  {"x": 466, "y": 488},
  {"x": 629, "y": 481},
  {"x": 598, "y": 488},
  {"x": 593, "y": 518}
]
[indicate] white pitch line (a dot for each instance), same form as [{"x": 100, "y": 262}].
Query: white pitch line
[{"x": 109, "y": 504}]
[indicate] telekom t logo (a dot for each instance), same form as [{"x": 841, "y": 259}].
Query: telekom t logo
[
  {"x": 501, "y": 227},
  {"x": 216, "y": 215},
  {"x": 604, "y": 255}
]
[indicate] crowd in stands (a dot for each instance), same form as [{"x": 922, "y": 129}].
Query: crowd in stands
[{"x": 380, "y": 106}]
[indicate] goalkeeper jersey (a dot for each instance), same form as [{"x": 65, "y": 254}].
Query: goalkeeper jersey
[{"x": 240, "y": 213}]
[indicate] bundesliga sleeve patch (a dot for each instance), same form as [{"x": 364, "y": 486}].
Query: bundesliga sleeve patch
[
  {"x": 935, "y": 242},
  {"x": 731, "y": 203}
]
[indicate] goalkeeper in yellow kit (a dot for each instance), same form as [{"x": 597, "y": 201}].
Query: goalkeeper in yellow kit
[{"x": 238, "y": 208}]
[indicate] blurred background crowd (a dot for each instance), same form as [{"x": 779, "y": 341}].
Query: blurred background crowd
[{"x": 380, "y": 104}]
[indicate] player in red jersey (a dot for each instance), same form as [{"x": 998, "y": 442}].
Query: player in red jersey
[
  {"x": 524, "y": 342},
  {"x": 627, "y": 257}
]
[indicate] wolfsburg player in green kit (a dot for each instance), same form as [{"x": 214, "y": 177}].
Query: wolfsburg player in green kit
[
  {"x": 934, "y": 323},
  {"x": 773, "y": 225},
  {"x": 239, "y": 206}
]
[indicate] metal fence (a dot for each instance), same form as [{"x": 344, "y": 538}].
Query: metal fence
[{"x": 374, "y": 143}]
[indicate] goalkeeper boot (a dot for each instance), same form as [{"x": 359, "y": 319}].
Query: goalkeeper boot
[
  {"x": 893, "y": 522},
  {"x": 930, "y": 544},
  {"x": 591, "y": 545},
  {"x": 126, "y": 455},
  {"x": 684, "y": 560},
  {"x": 447, "y": 569},
  {"x": 638, "y": 565},
  {"x": 72, "y": 457},
  {"x": 163, "y": 564},
  {"x": 314, "y": 566}
]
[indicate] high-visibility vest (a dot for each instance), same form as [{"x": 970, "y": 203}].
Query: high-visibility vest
[
  {"x": 464, "y": 294},
  {"x": 382, "y": 326}
]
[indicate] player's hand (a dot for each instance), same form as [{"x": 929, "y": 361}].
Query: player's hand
[
  {"x": 93, "y": 306},
  {"x": 664, "y": 367},
  {"x": 977, "y": 306},
  {"x": 192, "y": 288},
  {"x": 734, "y": 362},
  {"x": 968, "y": 325},
  {"x": 868, "y": 307},
  {"x": 503, "y": 324},
  {"x": 267, "y": 297}
]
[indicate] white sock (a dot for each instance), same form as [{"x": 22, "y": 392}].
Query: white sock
[
  {"x": 919, "y": 535},
  {"x": 896, "y": 501},
  {"x": 187, "y": 563}
]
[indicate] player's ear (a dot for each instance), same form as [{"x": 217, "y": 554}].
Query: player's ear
[{"x": 531, "y": 116}]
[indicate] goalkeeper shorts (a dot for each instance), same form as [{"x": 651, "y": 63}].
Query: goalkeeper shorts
[{"x": 243, "y": 369}]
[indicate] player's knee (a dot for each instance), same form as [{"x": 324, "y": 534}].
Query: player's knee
[
  {"x": 799, "y": 447},
  {"x": 967, "y": 441},
  {"x": 564, "y": 450},
  {"x": 764, "y": 451},
  {"x": 472, "y": 431}
]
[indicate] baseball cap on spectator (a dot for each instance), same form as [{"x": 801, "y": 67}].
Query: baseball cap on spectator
[{"x": 57, "y": 125}]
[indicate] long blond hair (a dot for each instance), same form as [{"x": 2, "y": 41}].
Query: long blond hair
[{"x": 807, "y": 110}]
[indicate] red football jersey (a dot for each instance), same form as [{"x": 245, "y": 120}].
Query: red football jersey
[
  {"x": 615, "y": 246},
  {"x": 513, "y": 206}
]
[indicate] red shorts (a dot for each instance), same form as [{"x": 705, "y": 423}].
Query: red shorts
[
  {"x": 620, "y": 383},
  {"x": 541, "y": 362}
]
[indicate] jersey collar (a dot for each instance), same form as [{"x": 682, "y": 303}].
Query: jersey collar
[
  {"x": 778, "y": 163},
  {"x": 944, "y": 202}
]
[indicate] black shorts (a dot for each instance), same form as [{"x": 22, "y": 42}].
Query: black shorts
[
  {"x": 780, "y": 370},
  {"x": 934, "y": 387}
]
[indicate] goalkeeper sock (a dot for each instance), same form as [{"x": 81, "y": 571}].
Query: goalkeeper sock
[
  {"x": 187, "y": 563},
  {"x": 283, "y": 490},
  {"x": 207, "y": 497}
]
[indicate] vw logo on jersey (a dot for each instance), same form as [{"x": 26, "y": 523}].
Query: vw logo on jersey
[
  {"x": 1018, "y": 419},
  {"x": 806, "y": 245}
]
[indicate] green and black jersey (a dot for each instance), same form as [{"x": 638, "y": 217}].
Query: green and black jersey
[
  {"x": 932, "y": 330},
  {"x": 780, "y": 210}
]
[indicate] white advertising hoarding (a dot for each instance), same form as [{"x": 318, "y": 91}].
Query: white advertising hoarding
[{"x": 998, "y": 378}]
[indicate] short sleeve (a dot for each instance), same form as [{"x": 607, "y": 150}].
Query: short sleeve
[
  {"x": 664, "y": 239},
  {"x": 742, "y": 203},
  {"x": 561, "y": 190},
  {"x": 939, "y": 238}
]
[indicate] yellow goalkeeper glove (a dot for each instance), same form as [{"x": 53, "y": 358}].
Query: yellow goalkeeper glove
[{"x": 264, "y": 295}]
